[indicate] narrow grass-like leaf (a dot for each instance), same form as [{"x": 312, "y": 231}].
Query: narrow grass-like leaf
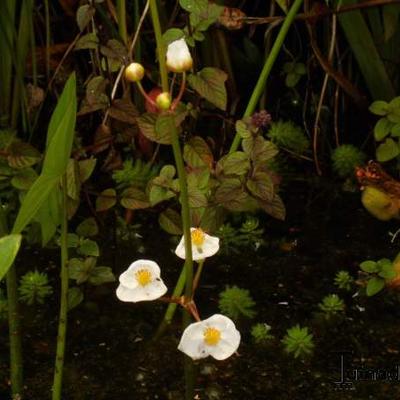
[{"x": 9, "y": 246}]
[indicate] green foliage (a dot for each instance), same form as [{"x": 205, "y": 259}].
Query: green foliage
[
  {"x": 233, "y": 240},
  {"x": 298, "y": 341},
  {"x": 34, "y": 288},
  {"x": 294, "y": 71},
  {"x": 289, "y": 136},
  {"x": 9, "y": 247},
  {"x": 345, "y": 158},
  {"x": 85, "y": 270},
  {"x": 3, "y": 307},
  {"x": 261, "y": 333},
  {"x": 377, "y": 273},
  {"x": 235, "y": 302},
  {"x": 387, "y": 128},
  {"x": 343, "y": 280},
  {"x": 331, "y": 304},
  {"x": 136, "y": 174}
]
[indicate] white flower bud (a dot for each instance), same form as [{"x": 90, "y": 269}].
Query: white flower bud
[
  {"x": 178, "y": 56},
  {"x": 134, "y": 72}
]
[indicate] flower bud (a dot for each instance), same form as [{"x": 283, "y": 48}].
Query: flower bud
[
  {"x": 178, "y": 56},
  {"x": 134, "y": 72},
  {"x": 163, "y": 101}
]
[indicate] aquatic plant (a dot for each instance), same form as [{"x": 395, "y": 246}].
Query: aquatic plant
[
  {"x": 261, "y": 333},
  {"x": 34, "y": 288},
  {"x": 289, "y": 136},
  {"x": 216, "y": 336},
  {"x": 236, "y": 302},
  {"x": 331, "y": 304},
  {"x": 377, "y": 273},
  {"x": 298, "y": 341},
  {"x": 346, "y": 158},
  {"x": 343, "y": 280},
  {"x": 3, "y": 307}
]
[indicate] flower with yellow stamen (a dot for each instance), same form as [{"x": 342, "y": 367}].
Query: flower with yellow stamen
[
  {"x": 141, "y": 282},
  {"x": 216, "y": 336},
  {"x": 203, "y": 245}
]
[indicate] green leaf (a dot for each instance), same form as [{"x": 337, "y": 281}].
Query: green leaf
[
  {"x": 75, "y": 297},
  {"x": 61, "y": 131},
  {"x": 379, "y": 107},
  {"x": 390, "y": 19},
  {"x": 88, "y": 41},
  {"x": 89, "y": 248},
  {"x": 194, "y": 6},
  {"x": 147, "y": 124},
  {"x": 387, "y": 150},
  {"x": 231, "y": 195},
  {"x": 172, "y": 34},
  {"x": 196, "y": 197},
  {"x": 168, "y": 172},
  {"x": 369, "y": 266},
  {"x": 259, "y": 150},
  {"x": 88, "y": 227},
  {"x": 292, "y": 79},
  {"x": 159, "y": 190},
  {"x": 100, "y": 275},
  {"x": 236, "y": 163},
  {"x": 212, "y": 219},
  {"x": 22, "y": 155},
  {"x": 210, "y": 84},
  {"x": 242, "y": 130},
  {"x": 382, "y": 128},
  {"x": 171, "y": 222},
  {"x": 84, "y": 15},
  {"x": 24, "y": 179},
  {"x": 79, "y": 270},
  {"x": 36, "y": 196},
  {"x": 375, "y": 285},
  {"x": 86, "y": 168},
  {"x": 106, "y": 200},
  {"x": 134, "y": 199},
  {"x": 9, "y": 246},
  {"x": 274, "y": 208},
  {"x": 197, "y": 153},
  {"x": 72, "y": 240},
  {"x": 396, "y": 130},
  {"x": 261, "y": 185}
]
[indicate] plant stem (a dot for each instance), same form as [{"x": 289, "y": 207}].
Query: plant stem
[
  {"x": 121, "y": 11},
  {"x": 184, "y": 198},
  {"x": 269, "y": 62},
  {"x": 62, "y": 323},
  {"x": 160, "y": 45},
  {"x": 169, "y": 313},
  {"x": 14, "y": 322},
  {"x": 198, "y": 274},
  {"x": 48, "y": 37}
]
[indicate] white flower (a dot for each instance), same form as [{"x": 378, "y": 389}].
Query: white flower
[
  {"x": 141, "y": 282},
  {"x": 216, "y": 336},
  {"x": 203, "y": 245},
  {"x": 178, "y": 56}
]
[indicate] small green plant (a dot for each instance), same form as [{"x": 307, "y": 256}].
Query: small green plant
[
  {"x": 136, "y": 174},
  {"x": 261, "y": 333},
  {"x": 34, "y": 288},
  {"x": 331, "y": 304},
  {"x": 298, "y": 341},
  {"x": 236, "y": 302},
  {"x": 248, "y": 235},
  {"x": 3, "y": 307},
  {"x": 377, "y": 273},
  {"x": 343, "y": 280},
  {"x": 289, "y": 136},
  {"x": 294, "y": 71},
  {"x": 345, "y": 158},
  {"x": 387, "y": 129}
]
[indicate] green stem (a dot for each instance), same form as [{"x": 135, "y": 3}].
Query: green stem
[
  {"x": 160, "y": 45},
  {"x": 14, "y": 322},
  {"x": 262, "y": 79},
  {"x": 169, "y": 313},
  {"x": 62, "y": 323},
  {"x": 121, "y": 11},
  {"x": 184, "y": 198},
  {"x": 47, "y": 21},
  {"x": 198, "y": 274}
]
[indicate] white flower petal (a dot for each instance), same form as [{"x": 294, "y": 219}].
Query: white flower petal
[
  {"x": 128, "y": 278},
  {"x": 152, "y": 291},
  {"x": 207, "y": 249},
  {"x": 193, "y": 344},
  {"x": 126, "y": 294}
]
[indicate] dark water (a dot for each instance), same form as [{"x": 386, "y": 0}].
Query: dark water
[{"x": 110, "y": 354}]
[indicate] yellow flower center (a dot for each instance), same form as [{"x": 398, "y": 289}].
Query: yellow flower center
[
  {"x": 143, "y": 276},
  {"x": 198, "y": 237},
  {"x": 212, "y": 336}
]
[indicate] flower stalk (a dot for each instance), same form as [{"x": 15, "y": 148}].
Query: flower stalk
[
  {"x": 63, "y": 316},
  {"x": 269, "y": 62}
]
